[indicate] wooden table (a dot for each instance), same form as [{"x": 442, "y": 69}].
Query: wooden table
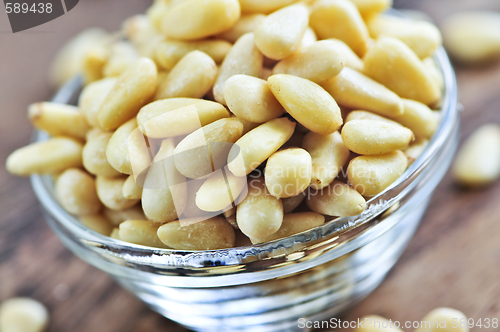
[{"x": 454, "y": 259}]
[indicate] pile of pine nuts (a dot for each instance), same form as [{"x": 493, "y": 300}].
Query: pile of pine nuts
[{"x": 224, "y": 123}]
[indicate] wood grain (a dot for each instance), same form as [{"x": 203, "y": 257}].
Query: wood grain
[{"x": 454, "y": 259}]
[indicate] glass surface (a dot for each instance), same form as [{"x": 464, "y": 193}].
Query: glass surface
[{"x": 314, "y": 275}]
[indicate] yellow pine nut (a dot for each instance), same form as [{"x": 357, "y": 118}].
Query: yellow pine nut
[
  {"x": 293, "y": 223},
  {"x": 435, "y": 72},
  {"x": 257, "y": 145},
  {"x": 206, "y": 149},
  {"x": 93, "y": 63},
  {"x": 370, "y": 175},
  {"x": 58, "y": 119},
  {"x": 122, "y": 55},
  {"x": 329, "y": 155},
  {"x": 374, "y": 323},
  {"x": 250, "y": 98},
  {"x": 246, "y": 24},
  {"x": 367, "y": 8},
  {"x": 307, "y": 102},
  {"x": 109, "y": 191},
  {"x": 140, "y": 31},
  {"x": 308, "y": 39},
  {"x": 192, "y": 210},
  {"x": 419, "y": 118},
  {"x": 51, "y": 156},
  {"x": 169, "y": 52},
  {"x": 94, "y": 155},
  {"x": 132, "y": 91},
  {"x": 478, "y": 160},
  {"x": 352, "y": 60},
  {"x": 372, "y": 137},
  {"x": 444, "y": 320},
  {"x": 288, "y": 172},
  {"x": 115, "y": 233},
  {"x": 358, "y": 114},
  {"x": 179, "y": 122},
  {"x": 97, "y": 223},
  {"x": 92, "y": 98},
  {"x": 291, "y": 203},
  {"x": 318, "y": 62},
  {"x": 184, "y": 120},
  {"x": 191, "y": 77},
  {"x": 243, "y": 58},
  {"x": 23, "y": 314},
  {"x": 69, "y": 60},
  {"x": 392, "y": 63},
  {"x": 214, "y": 233},
  {"x": 142, "y": 232},
  {"x": 136, "y": 27},
  {"x": 160, "y": 107},
  {"x": 116, "y": 217},
  {"x": 165, "y": 189},
  {"x": 219, "y": 191},
  {"x": 196, "y": 19},
  {"x": 340, "y": 19},
  {"x": 473, "y": 37},
  {"x": 416, "y": 149},
  {"x": 156, "y": 12},
  {"x": 338, "y": 199},
  {"x": 117, "y": 151},
  {"x": 93, "y": 133},
  {"x": 259, "y": 214},
  {"x": 281, "y": 33},
  {"x": 263, "y": 6},
  {"x": 76, "y": 192},
  {"x": 423, "y": 38},
  {"x": 141, "y": 152},
  {"x": 355, "y": 90},
  {"x": 130, "y": 189}
]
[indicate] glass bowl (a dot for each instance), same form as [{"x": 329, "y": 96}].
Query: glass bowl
[{"x": 313, "y": 275}]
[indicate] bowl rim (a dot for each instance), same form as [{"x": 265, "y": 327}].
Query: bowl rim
[{"x": 234, "y": 256}]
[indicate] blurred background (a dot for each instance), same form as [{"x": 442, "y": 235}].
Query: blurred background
[{"x": 453, "y": 261}]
